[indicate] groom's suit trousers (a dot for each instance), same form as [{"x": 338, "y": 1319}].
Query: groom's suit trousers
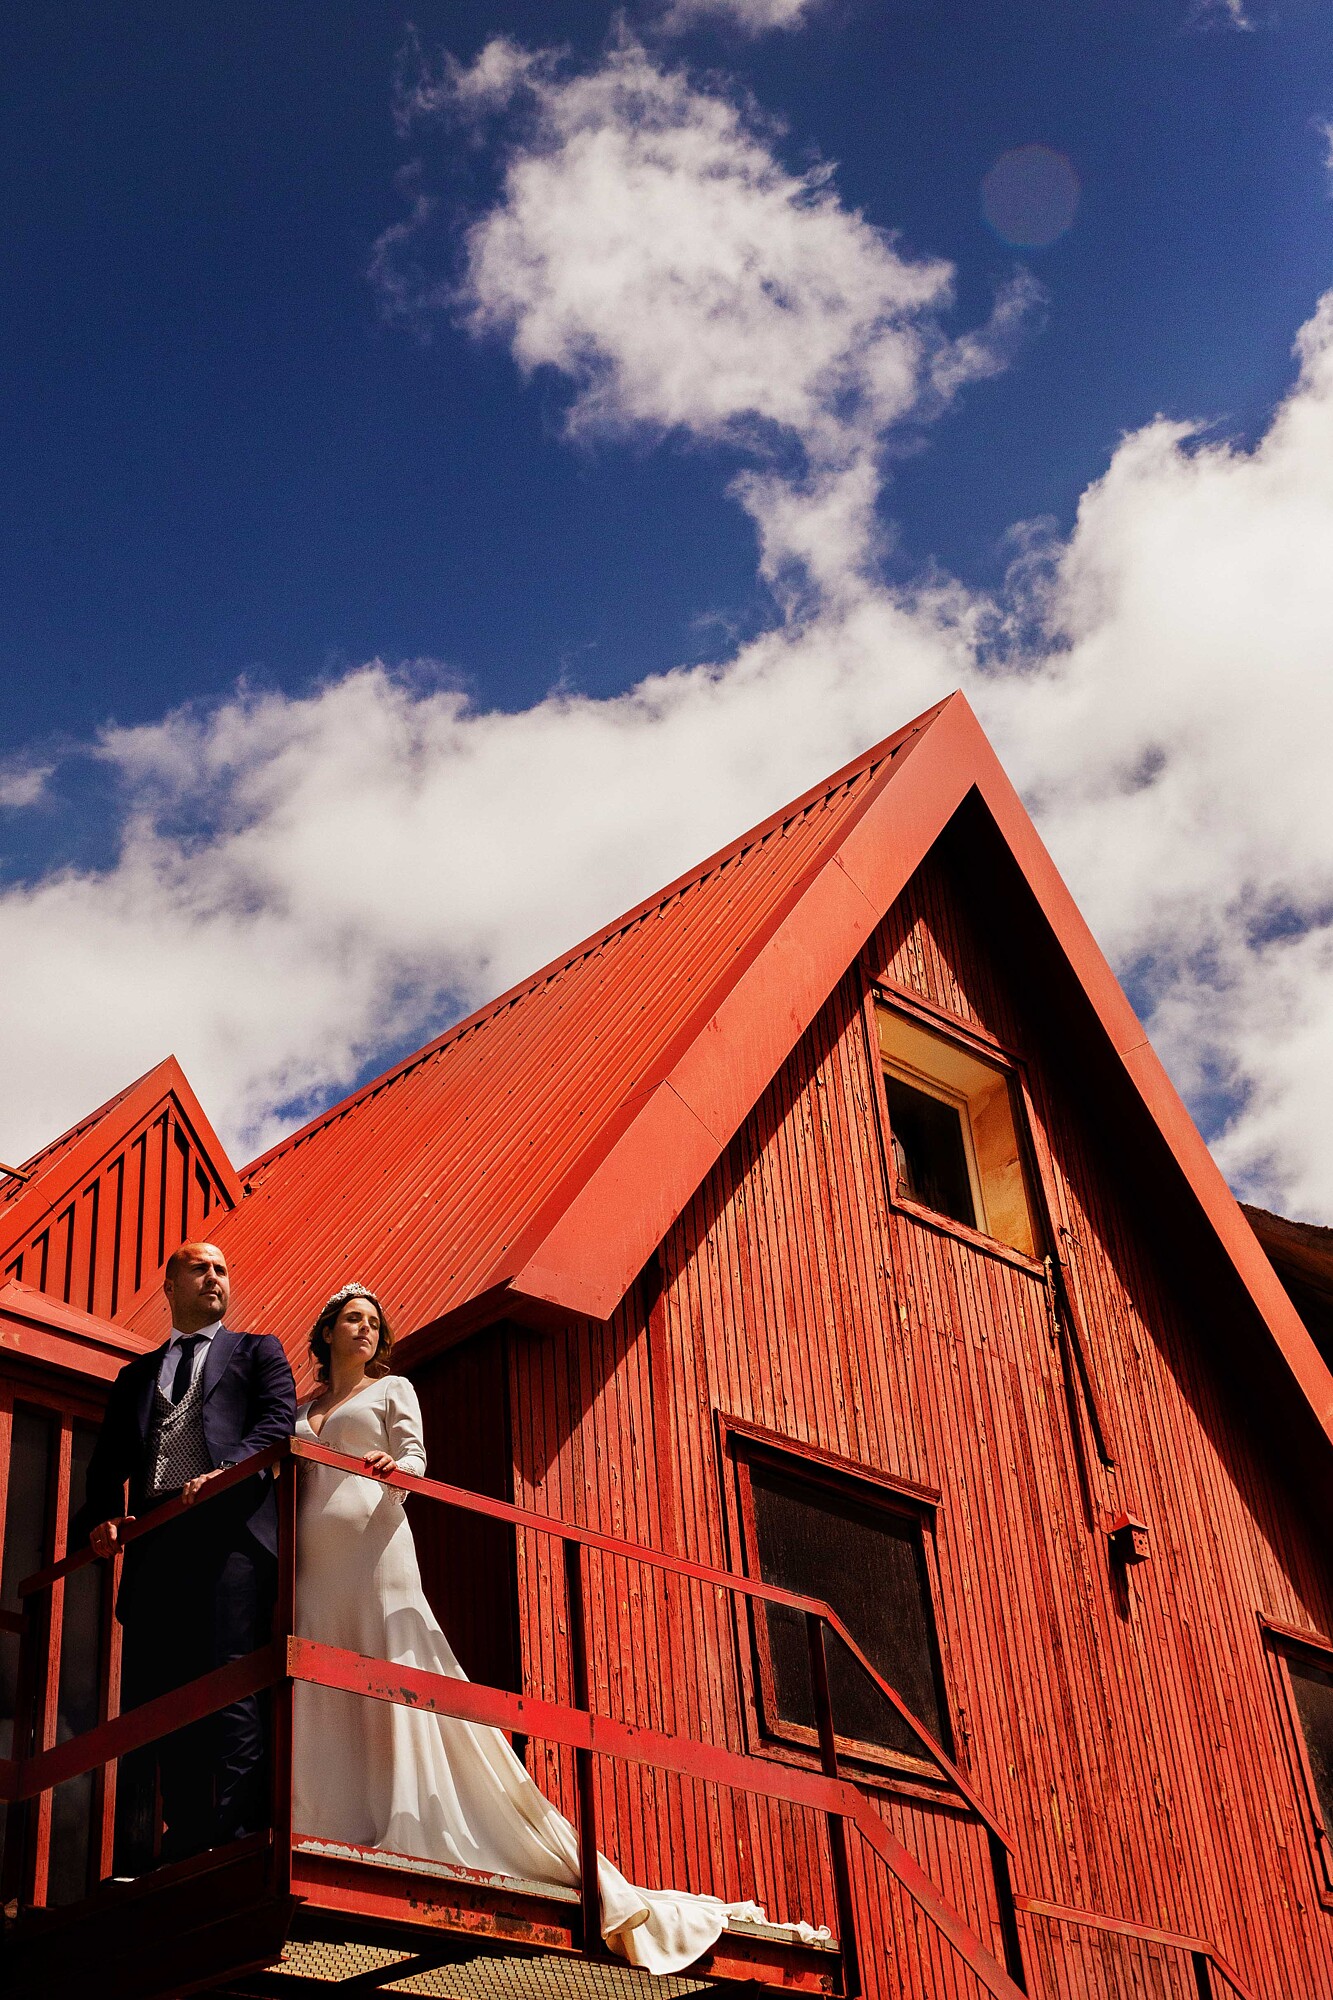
[{"x": 206, "y": 1597}]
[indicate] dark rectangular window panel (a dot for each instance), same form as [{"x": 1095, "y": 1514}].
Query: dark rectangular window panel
[
  {"x": 1312, "y": 1688},
  {"x": 929, "y": 1154},
  {"x": 28, "y": 1498},
  {"x": 867, "y": 1564},
  {"x": 27, "y": 1501}
]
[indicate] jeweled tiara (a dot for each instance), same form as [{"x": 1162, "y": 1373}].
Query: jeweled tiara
[{"x": 352, "y": 1292}]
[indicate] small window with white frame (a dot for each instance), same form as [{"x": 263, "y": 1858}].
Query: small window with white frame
[{"x": 953, "y": 1133}]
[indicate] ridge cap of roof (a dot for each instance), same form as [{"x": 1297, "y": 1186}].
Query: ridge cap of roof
[{"x": 862, "y": 765}]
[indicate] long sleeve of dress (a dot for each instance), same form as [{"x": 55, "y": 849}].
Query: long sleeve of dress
[{"x": 402, "y": 1423}]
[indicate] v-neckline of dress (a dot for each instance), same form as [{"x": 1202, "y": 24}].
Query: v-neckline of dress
[{"x": 329, "y": 1415}]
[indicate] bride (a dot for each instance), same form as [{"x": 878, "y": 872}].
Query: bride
[{"x": 377, "y": 1774}]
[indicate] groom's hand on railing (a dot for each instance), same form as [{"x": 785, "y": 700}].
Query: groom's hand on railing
[
  {"x": 194, "y": 1487},
  {"x": 105, "y": 1537}
]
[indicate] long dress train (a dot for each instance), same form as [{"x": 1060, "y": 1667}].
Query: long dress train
[{"x": 376, "y": 1774}]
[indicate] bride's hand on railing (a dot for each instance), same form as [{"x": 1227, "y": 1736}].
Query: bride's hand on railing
[{"x": 381, "y": 1464}]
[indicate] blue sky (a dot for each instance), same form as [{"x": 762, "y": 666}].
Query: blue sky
[
  {"x": 222, "y": 460},
  {"x": 262, "y": 428}
]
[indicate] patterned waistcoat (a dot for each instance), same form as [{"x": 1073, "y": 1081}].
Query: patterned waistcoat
[{"x": 176, "y": 1447}]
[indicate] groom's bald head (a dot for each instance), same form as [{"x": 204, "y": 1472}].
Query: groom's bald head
[{"x": 198, "y": 1286}]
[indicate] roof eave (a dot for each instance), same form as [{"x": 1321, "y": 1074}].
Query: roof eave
[{"x": 46, "y": 1331}]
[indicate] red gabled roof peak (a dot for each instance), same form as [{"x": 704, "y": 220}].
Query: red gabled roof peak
[
  {"x": 48, "y": 1156},
  {"x": 528, "y": 1162},
  {"x": 436, "y": 1179},
  {"x": 107, "y": 1202}
]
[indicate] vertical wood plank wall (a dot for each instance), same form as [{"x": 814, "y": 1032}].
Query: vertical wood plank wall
[
  {"x": 104, "y": 1246},
  {"x": 1134, "y": 1746}
]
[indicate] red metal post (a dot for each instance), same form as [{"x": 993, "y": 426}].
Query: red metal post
[
  {"x": 43, "y": 1707},
  {"x": 837, "y": 1832},
  {"x": 583, "y": 1768},
  {"x": 46, "y": 1704},
  {"x": 102, "y": 1844}
]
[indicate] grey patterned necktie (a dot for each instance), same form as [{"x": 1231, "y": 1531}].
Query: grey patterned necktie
[{"x": 180, "y": 1381}]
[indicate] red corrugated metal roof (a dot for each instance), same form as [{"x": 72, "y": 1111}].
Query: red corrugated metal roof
[
  {"x": 531, "y": 1159},
  {"x": 424, "y": 1182}
]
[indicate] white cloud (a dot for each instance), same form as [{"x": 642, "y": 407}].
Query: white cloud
[
  {"x": 304, "y": 881},
  {"x": 649, "y": 244},
  {"x": 1220, "y": 14},
  {"x": 1175, "y": 745},
  {"x": 752, "y": 17},
  {"x": 23, "y": 781}
]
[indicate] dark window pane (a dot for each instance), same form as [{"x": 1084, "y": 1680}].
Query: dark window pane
[
  {"x": 80, "y": 1648},
  {"x": 9, "y": 1670},
  {"x": 869, "y": 1566},
  {"x": 930, "y": 1158},
  {"x": 1313, "y": 1689},
  {"x": 26, "y": 1540},
  {"x": 28, "y": 1495}
]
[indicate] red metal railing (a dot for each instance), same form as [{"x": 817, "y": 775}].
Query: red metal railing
[
  {"x": 1205, "y": 1959},
  {"x": 45, "y": 1763},
  {"x": 42, "y": 1763}
]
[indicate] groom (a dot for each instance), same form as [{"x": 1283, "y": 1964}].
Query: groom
[{"x": 200, "y": 1591}]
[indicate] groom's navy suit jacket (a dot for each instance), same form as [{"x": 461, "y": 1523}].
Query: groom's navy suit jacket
[{"x": 249, "y": 1403}]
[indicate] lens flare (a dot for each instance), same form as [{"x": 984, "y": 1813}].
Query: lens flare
[{"x": 1029, "y": 197}]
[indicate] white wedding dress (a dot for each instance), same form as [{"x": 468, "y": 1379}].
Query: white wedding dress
[{"x": 376, "y": 1774}]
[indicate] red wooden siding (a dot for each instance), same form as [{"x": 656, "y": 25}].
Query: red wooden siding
[
  {"x": 101, "y": 1245},
  {"x": 1129, "y": 1736}
]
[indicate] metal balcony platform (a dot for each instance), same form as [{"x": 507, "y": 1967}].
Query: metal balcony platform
[
  {"x": 374, "y": 1885},
  {"x": 362, "y": 1921},
  {"x": 331, "y": 1959}
]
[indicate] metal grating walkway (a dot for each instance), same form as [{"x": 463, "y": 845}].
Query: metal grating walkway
[{"x": 325, "y": 1966}]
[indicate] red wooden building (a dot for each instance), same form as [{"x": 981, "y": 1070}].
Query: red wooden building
[{"x": 883, "y": 1474}]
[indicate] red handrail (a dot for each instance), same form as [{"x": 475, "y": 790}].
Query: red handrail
[
  {"x": 290, "y": 1659},
  {"x": 549, "y": 1524},
  {"x": 1207, "y": 1958}
]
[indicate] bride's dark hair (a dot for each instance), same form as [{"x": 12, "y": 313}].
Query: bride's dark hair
[{"x": 321, "y": 1331}]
